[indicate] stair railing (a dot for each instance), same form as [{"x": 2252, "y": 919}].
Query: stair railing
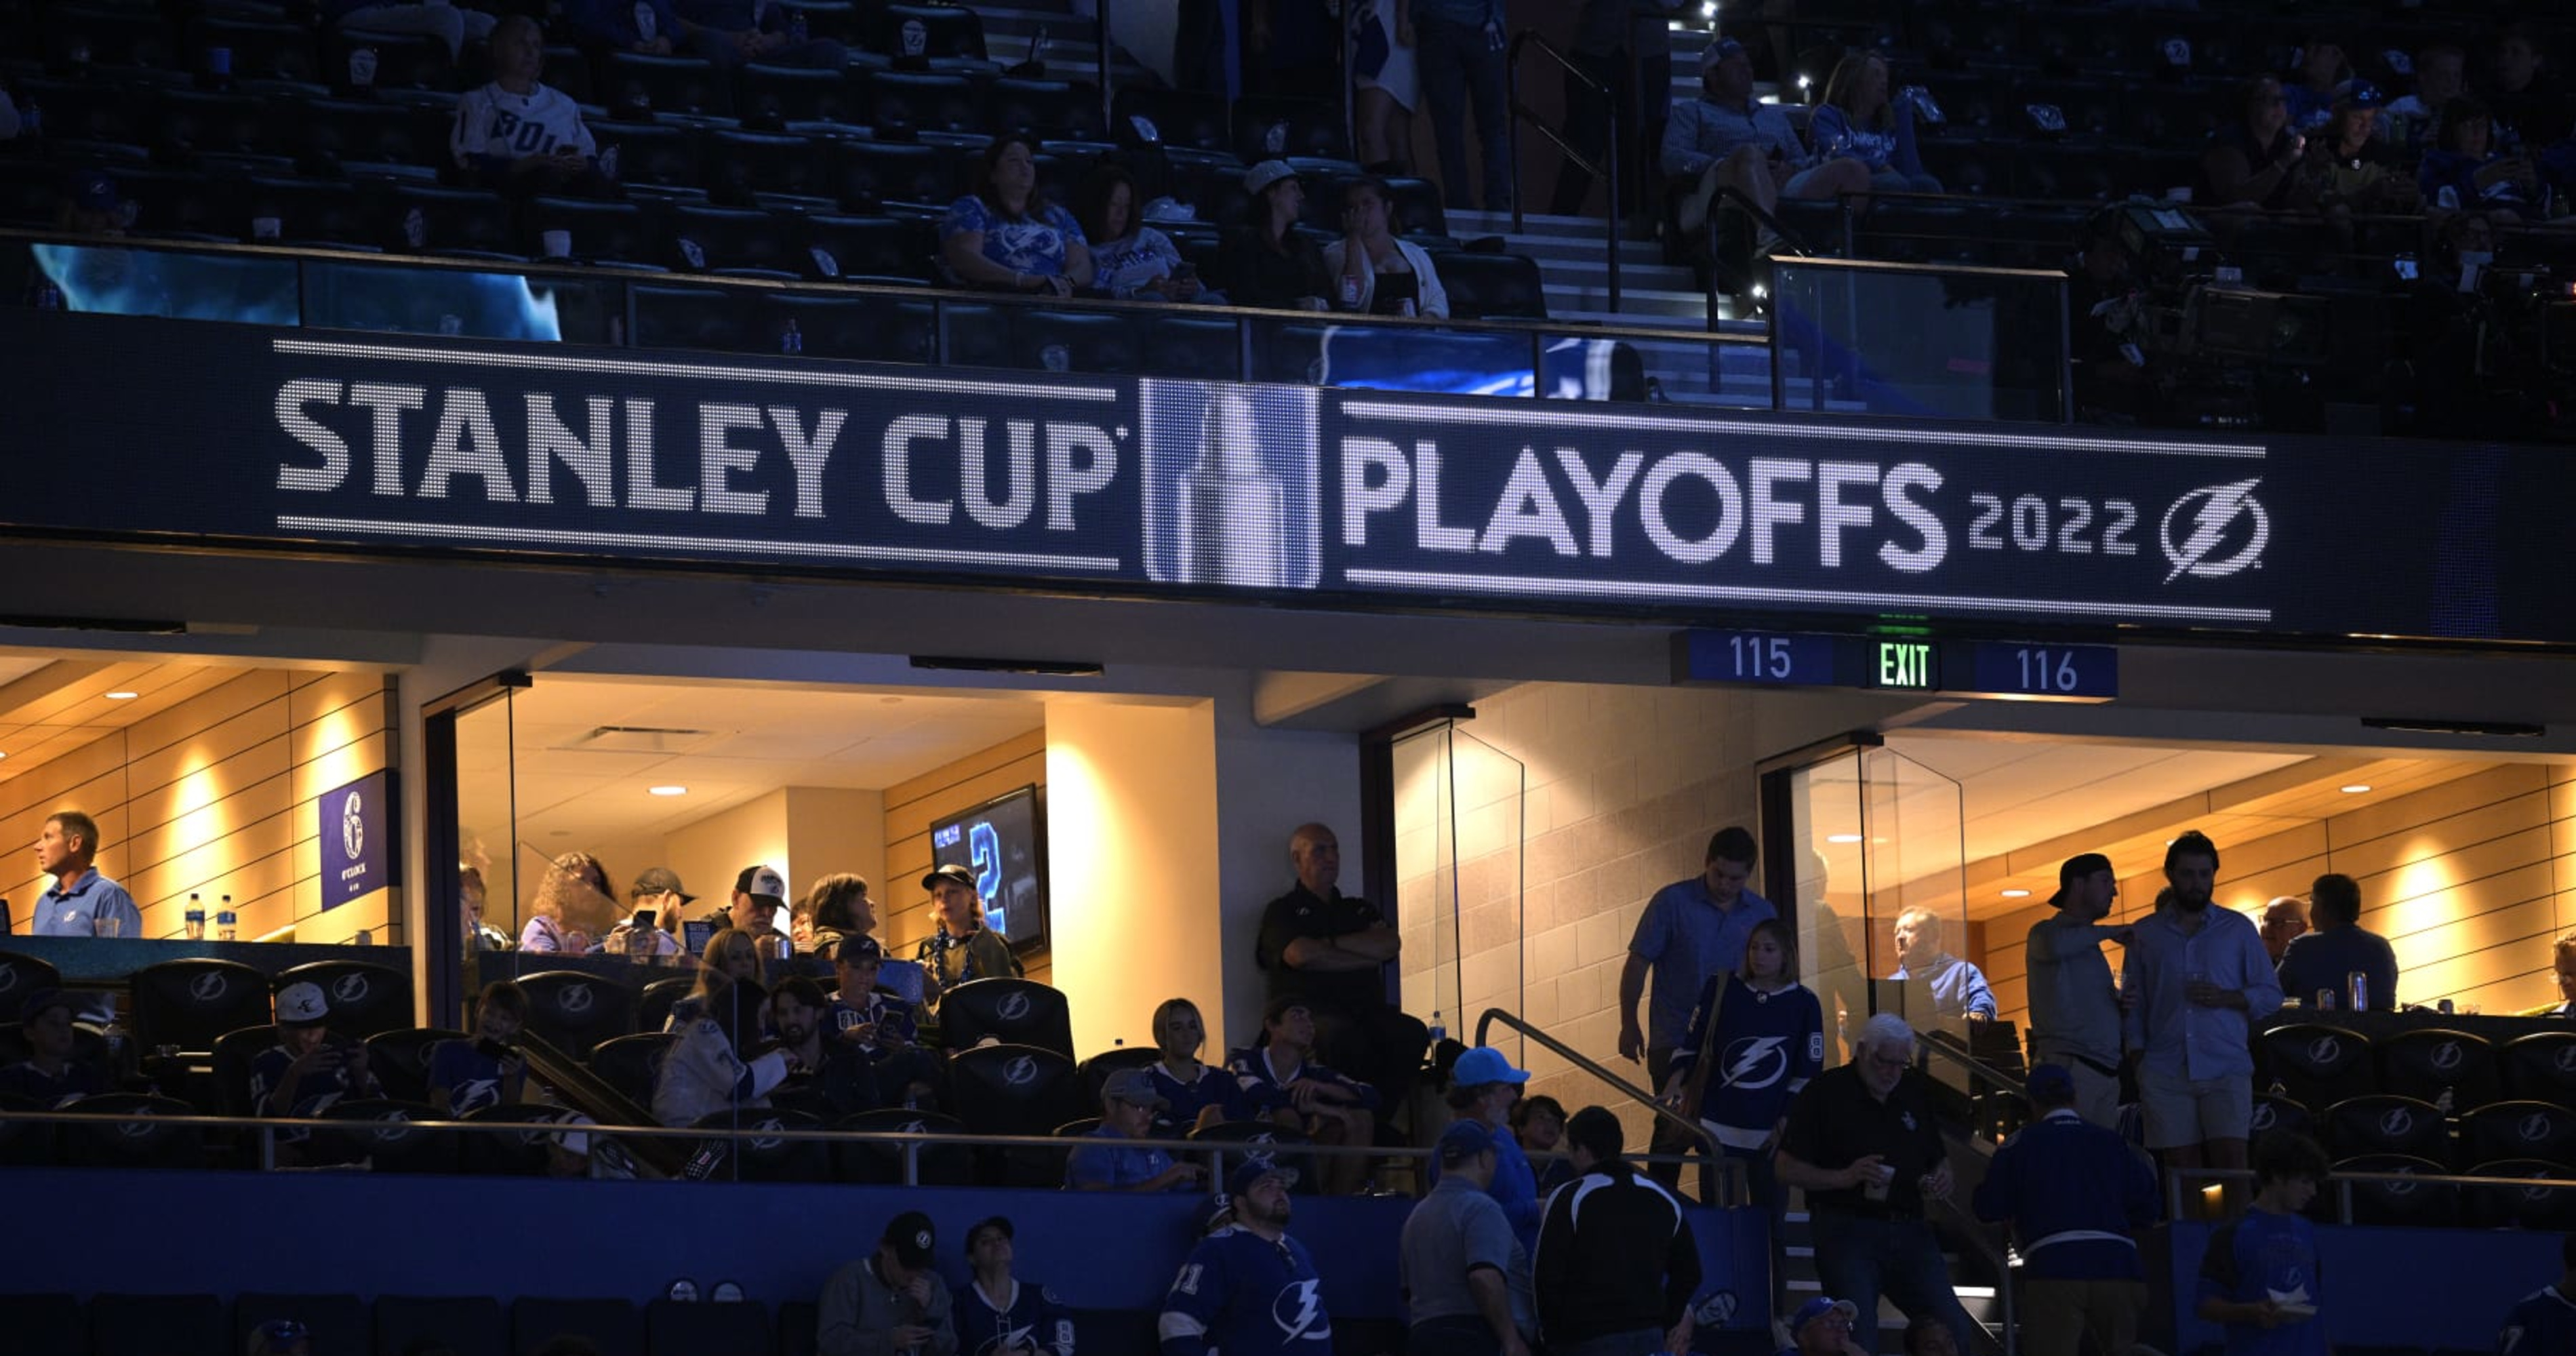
[
  {"x": 1985, "y": 1238},
  {"x": 1607, "y": 168},
  {"x": 1715, "y": 1165}
]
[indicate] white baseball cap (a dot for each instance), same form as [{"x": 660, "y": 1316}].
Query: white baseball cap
[{"x": 301, "y": 1005}]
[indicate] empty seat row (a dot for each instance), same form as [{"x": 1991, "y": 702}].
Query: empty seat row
[
  {"x": 2320, "y": 1065},
  {"x": 2386, "y": 1123},
  {"x": 190, "y": 1003}
]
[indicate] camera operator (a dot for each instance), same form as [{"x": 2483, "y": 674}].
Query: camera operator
[
  {"x": 308, "y": 1069},
  {"x": 466, "y": 1076}
]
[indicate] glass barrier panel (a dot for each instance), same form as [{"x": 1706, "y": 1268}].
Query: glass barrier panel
[
  {"x": 173, "y": 284},
  {"x": 1918, "y": 341},
  {"x": 404, "y": 299}
]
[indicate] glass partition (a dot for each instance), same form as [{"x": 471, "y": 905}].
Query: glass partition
[
  {"x": 487, "y": 819},
  {"x": 1459, "y": 817},
  {"x": 1920, "y": 341}
]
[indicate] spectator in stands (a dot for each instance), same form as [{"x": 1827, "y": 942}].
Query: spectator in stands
[
  {"x": 1691, "y": 929},
  {"x": 1823, "y": 1327},
  {"x": 1281, "y": 1072},
  {"x": 2285, "y": 920},
  {"x": 92, "y": 206},
  {"x": 2197, "y": 979},
  {"x": 518, "y": 133},
  {"x": 308, "y": 1069},
  {"x": 471, "y": 895},
  {"x": 2339, "y": 948},
  {"x": 1006, "y": 236},
  {"x": 1128, "y": 1105},
  {"x": 800, "y": 924},
  {"x": 574, "y": 903},
  {"x": 882, "y": 1024},
  {"x": 731, "y": 32},
  {"x": 2259, "y": 1274},
  {"x": 2441, "y": 75},
  {"x": 2563, "y": 960},
  {"x": 841, "y": 909},
  {"x": 758, "y": 894},
  {"x": 892, "y": 1303},
  {"x": 1463, "y": 1268},
  {"x": 1330, "y": 951},
  {"x": 645, "y": 27},
  {"x": 2253, "y": 160},
  {"x": 1386, "y": 84},
  {"x": 1727, "y": 139},
  {"x": 1248, "y": 1289},
  {"x": 719, "y": 1063},
  {"x": 1929, "y": 1336},
  {"x": 485, "y": 1069},
  {"x": 1859, "y": 119},
  {"x": 48, "y": 1076},
  {"x": 1959, "y": 989},
  {"x": 2545, "y": 1321},
  {"x": 1195, "y": 1096},
  {"x": 1267, "y": 260},
  {"x": 2531, "y": 105},
  {"x": 83, "y": 901},
  {"x": 1377, "y": 272},
  {"x": 731, "y": 955},
  {"x": 449, "y": 23},
  {"x": 1755, "y": 1040},
  {"x": 2466, "y": 172},
  {"x": 1616, "y": 1267},
  {"x": 1129, "y": 259},
  {"x": 1459, "y": 50},
  {"x": 1862, "y": 1144},
  {"x": 1597, "y": 83},
  {"x": 2322, "y": 77},
  {"x": 2074, "y": 1001},
  {"x": 840, "y": 1076},
  {"x": 1539, "y": 1124},
  {"x": 962, "y": 949},
  {"x": 1483, "y": 1085},
  {"x": 1001, "y": 1315},
  {"x": 657, "y": 891},
  {"x": 2074, "y": 1193}
]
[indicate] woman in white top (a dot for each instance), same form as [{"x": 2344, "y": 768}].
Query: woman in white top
[{"x": 1373, "y": 270}]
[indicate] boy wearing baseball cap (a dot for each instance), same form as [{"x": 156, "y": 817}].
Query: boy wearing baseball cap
[
  {"x": 306, "y": 1071},
  {"x": 48, "y": 1076},
  {"x": 891, "y": 1301}
]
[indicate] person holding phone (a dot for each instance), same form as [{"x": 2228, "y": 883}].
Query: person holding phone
[
  {"x": 648, "y": 933},
  {"x": 307, "y": 1071},
  {"x": 486, "y": 1069}
]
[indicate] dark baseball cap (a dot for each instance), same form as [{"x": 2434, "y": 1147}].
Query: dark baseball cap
[
  {"x": 661, "y": 880},
  {"x": 911, "y": 1237},
  {"x": 1250, "y": 1171},
  {"x": 855, "y": 949},
  {"x": 43, "y": 1001},
  {"x": 1464, "y": 1140},
  {"x": 2077, "y": 868},
  {"x": 2051, "y": 1084},
  {"x": 951, "y": 873}
]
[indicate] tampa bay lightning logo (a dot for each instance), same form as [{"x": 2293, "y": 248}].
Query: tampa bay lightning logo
[
  {"x": 1299, "y": 1312},
  {"x": 2202, "y": 536},
  {"x": 2265, "y": 1116},
  {"x": 2447, "y": 1055},
  {"x": 8, "y": 978},
  {"x": 2324, "y": 1050},
  {"x": 1013, "y": 1008},
  {"x": 208, "y": 987},
  {"x": 1756, "y": 1062},
  {"x": 1021, "y": 1071},
  {"x": 350, "y": 988},
  {"x": 2536, "y": 1127},
  {"x": 2396, "y": 1122},
  {"x": 574, "y": 999}
]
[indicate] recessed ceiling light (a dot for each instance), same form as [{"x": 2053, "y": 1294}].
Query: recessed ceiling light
[
  {"x": 2354, "y": 789},
  {"x": 2016, "y": 894},
  {"x": 1842, "y": 838},
  {"x": 666, "y": 790},
  {"x": 123, "y": 696}
]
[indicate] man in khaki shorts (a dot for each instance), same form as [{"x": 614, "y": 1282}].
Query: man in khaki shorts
[{"x": 2199, "y": 979}]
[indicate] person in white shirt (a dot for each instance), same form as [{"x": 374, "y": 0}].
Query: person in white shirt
[
  {"x": 720, "y": 1061},
  {"x": 518, "y": 132}
]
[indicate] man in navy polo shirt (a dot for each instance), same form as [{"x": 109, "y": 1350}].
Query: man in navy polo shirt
[
  {"x": 2338, "y": 946},
  {"x": 1690, "y": 930},
  {"x": 1106, "y": 1162},
  {"x": 2074, "y": 1192},
  {"x": 82, "y": 899}
]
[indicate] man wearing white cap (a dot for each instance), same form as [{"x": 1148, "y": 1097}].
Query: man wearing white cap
[
  {"x": 758, "y": 894},
  {"x": 1823, "y": 1327},
  {"x": 306, "y": 1071}
]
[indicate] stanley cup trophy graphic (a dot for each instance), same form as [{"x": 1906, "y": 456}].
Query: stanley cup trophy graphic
[{"x": 1230, "y": 485}]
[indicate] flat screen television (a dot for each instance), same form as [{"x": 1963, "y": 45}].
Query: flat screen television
[{"x": 1003, "y": 841}]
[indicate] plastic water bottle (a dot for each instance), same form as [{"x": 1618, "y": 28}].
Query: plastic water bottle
[
  {"x": 196, "y": 917},
  {"x": 227, "y": 926},
  {"x": 1439, "y": 1030}
]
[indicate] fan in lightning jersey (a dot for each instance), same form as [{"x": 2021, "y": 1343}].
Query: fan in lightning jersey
[
  {"x": 1770, "y": 1040},
  {"x": 1248, "y": 1289},
  {"x": 517, "y": 126},
  {"x": 999, "y": 1314}
]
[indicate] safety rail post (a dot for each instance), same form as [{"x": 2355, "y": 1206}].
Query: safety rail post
[{"x": 1514, "y": 111}]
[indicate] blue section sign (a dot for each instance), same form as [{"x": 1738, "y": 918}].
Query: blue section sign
[
  {"x": 2061, "y": 671},
  {"x": 357, "y": 830}
]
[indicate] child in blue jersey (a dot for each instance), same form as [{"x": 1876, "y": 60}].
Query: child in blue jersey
[
  {"x": 1248, "y": 1289},
  {"x": 484, "y": 1069},
  {"x": 999, "y": 1314},
  {"x": 880, "y": 1022},
  {"x": 1330, "y": 1107},
  {"x": 2544, "y": 1323},
  {"x": 307, "y": 1071},
  {"x": 2261, "y": 1276},
  {"x": 1196, "y": 1095},
  {"x": 1769, "y": 1040}
]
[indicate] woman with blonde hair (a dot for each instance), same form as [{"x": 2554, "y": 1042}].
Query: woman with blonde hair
[
  {"x": 1860, "y": 121},
  {"x": 575, "y": 904},
  {"x": 732, "y": 954}
]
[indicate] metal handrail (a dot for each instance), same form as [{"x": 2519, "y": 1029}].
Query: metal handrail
[
  {"x": 1975, "y": 1067},
  {"x": 1737, "y": 1189},
  {"x": 2176, "y": 1183},
  {"x": 1974, "y": 1230},
  {"x": 1515, "y": 110}
]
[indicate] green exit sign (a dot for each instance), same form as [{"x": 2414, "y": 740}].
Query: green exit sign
[{"x": 1909, "y": 664}]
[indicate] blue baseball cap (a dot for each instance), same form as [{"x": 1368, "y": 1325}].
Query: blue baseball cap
[
  {"x": 2052, "y": 1083},
  {"x": 1249, "y": 1173},
  {"x": 1720, "y": 50},
  {"x": 1484, "y": 1064},
  {"x": 1817, "y": 1308},
  {"x": 1464, "y": 1140}
]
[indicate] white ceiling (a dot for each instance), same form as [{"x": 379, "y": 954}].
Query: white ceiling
[{"x": 2019, "y": 792}]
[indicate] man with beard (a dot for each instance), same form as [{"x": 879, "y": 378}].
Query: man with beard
[
  {"x": 2198, "y": 979},
  {"x": 1248, "y": 1289},
  {"x": 838, "y": 1073}
]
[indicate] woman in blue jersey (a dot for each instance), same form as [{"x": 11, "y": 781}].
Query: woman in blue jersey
[
  {"x": 1768, "y": 1041},
  {"x": 1198, "y": 1095}
]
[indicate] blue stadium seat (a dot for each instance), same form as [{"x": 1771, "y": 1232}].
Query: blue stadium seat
[
  {"x": 882, "y": 1164},
  {"x": 260, "y": 49},
  {"x": 134, "y": 1139},
  {"x": 945, "y": 32},
  {"x": 400, "y": 1059},
  {"x": 837, "y": 20},
  {"x": 1095, "y": 1071},
  {"x": 381, "y": 1133},
  {"x": 2416, "y": 1205},
  {"x": 344, "y": 131},
  {"x": 1273, "y": 129},
  {"x": 631, "y": 1064},
  {"x": 651, "y": 155},
  {"x": 1046, "y": 110},
  {"x": 450, "y": 220},
  {"x": 466, "y": 1325},
  {"x": 231, "y": 1058},
  {"x": 600, "y": 232},
  {"x": 403, "y": 61},
  {"x": 2316, "y": 1064},
  {"x": 188, "y": 1003},
  {"x": 2430, "y": 1062},
  {"x": 2545, "y": 1131},
  {"x": 742, "y": 164},
  {"x": 903, "y": 105},
  {"x": 634, "y": 84},
  {"x": 1190, "y": 346},
  {"x": 727, "y": 238},
  {"x": 674, "y": 1328},
  {"x": 332, "y": 1322},
  {"x": 1181, "y": 118},
  {"x": 155, "y": 1325},
  {"x": 365, "y": 998},
  {"x": 2547, "y": 1209},
  {"x": 758, "y": 1158},
  {"x": 653, "y": 1006},
  {"x": 872, "y": 174},
  {"x": 2383, "y": 1123},
  {"x": 2541, "y": 1067},
  {"x": 859, "y": 329},
  {"x": 867, "y": 247},
  {"x": 1014, "y": 1089},
  {"x": 574, "y": 1012},
  {"x": 611, "y": 1325},
  {"x": 85, "y": 36},
  {"x": 775, "y": 98},
  {"x": 2279, "y": 1113},
  {"x": 1492, "y": 286},
  {"x": 507, "y": 1153},
  {"x": 1023, "y": 1011},
  {"x": 95, "y": 109}
]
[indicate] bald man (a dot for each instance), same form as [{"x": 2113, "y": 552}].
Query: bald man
[{"x": 1330, "y": 951}]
